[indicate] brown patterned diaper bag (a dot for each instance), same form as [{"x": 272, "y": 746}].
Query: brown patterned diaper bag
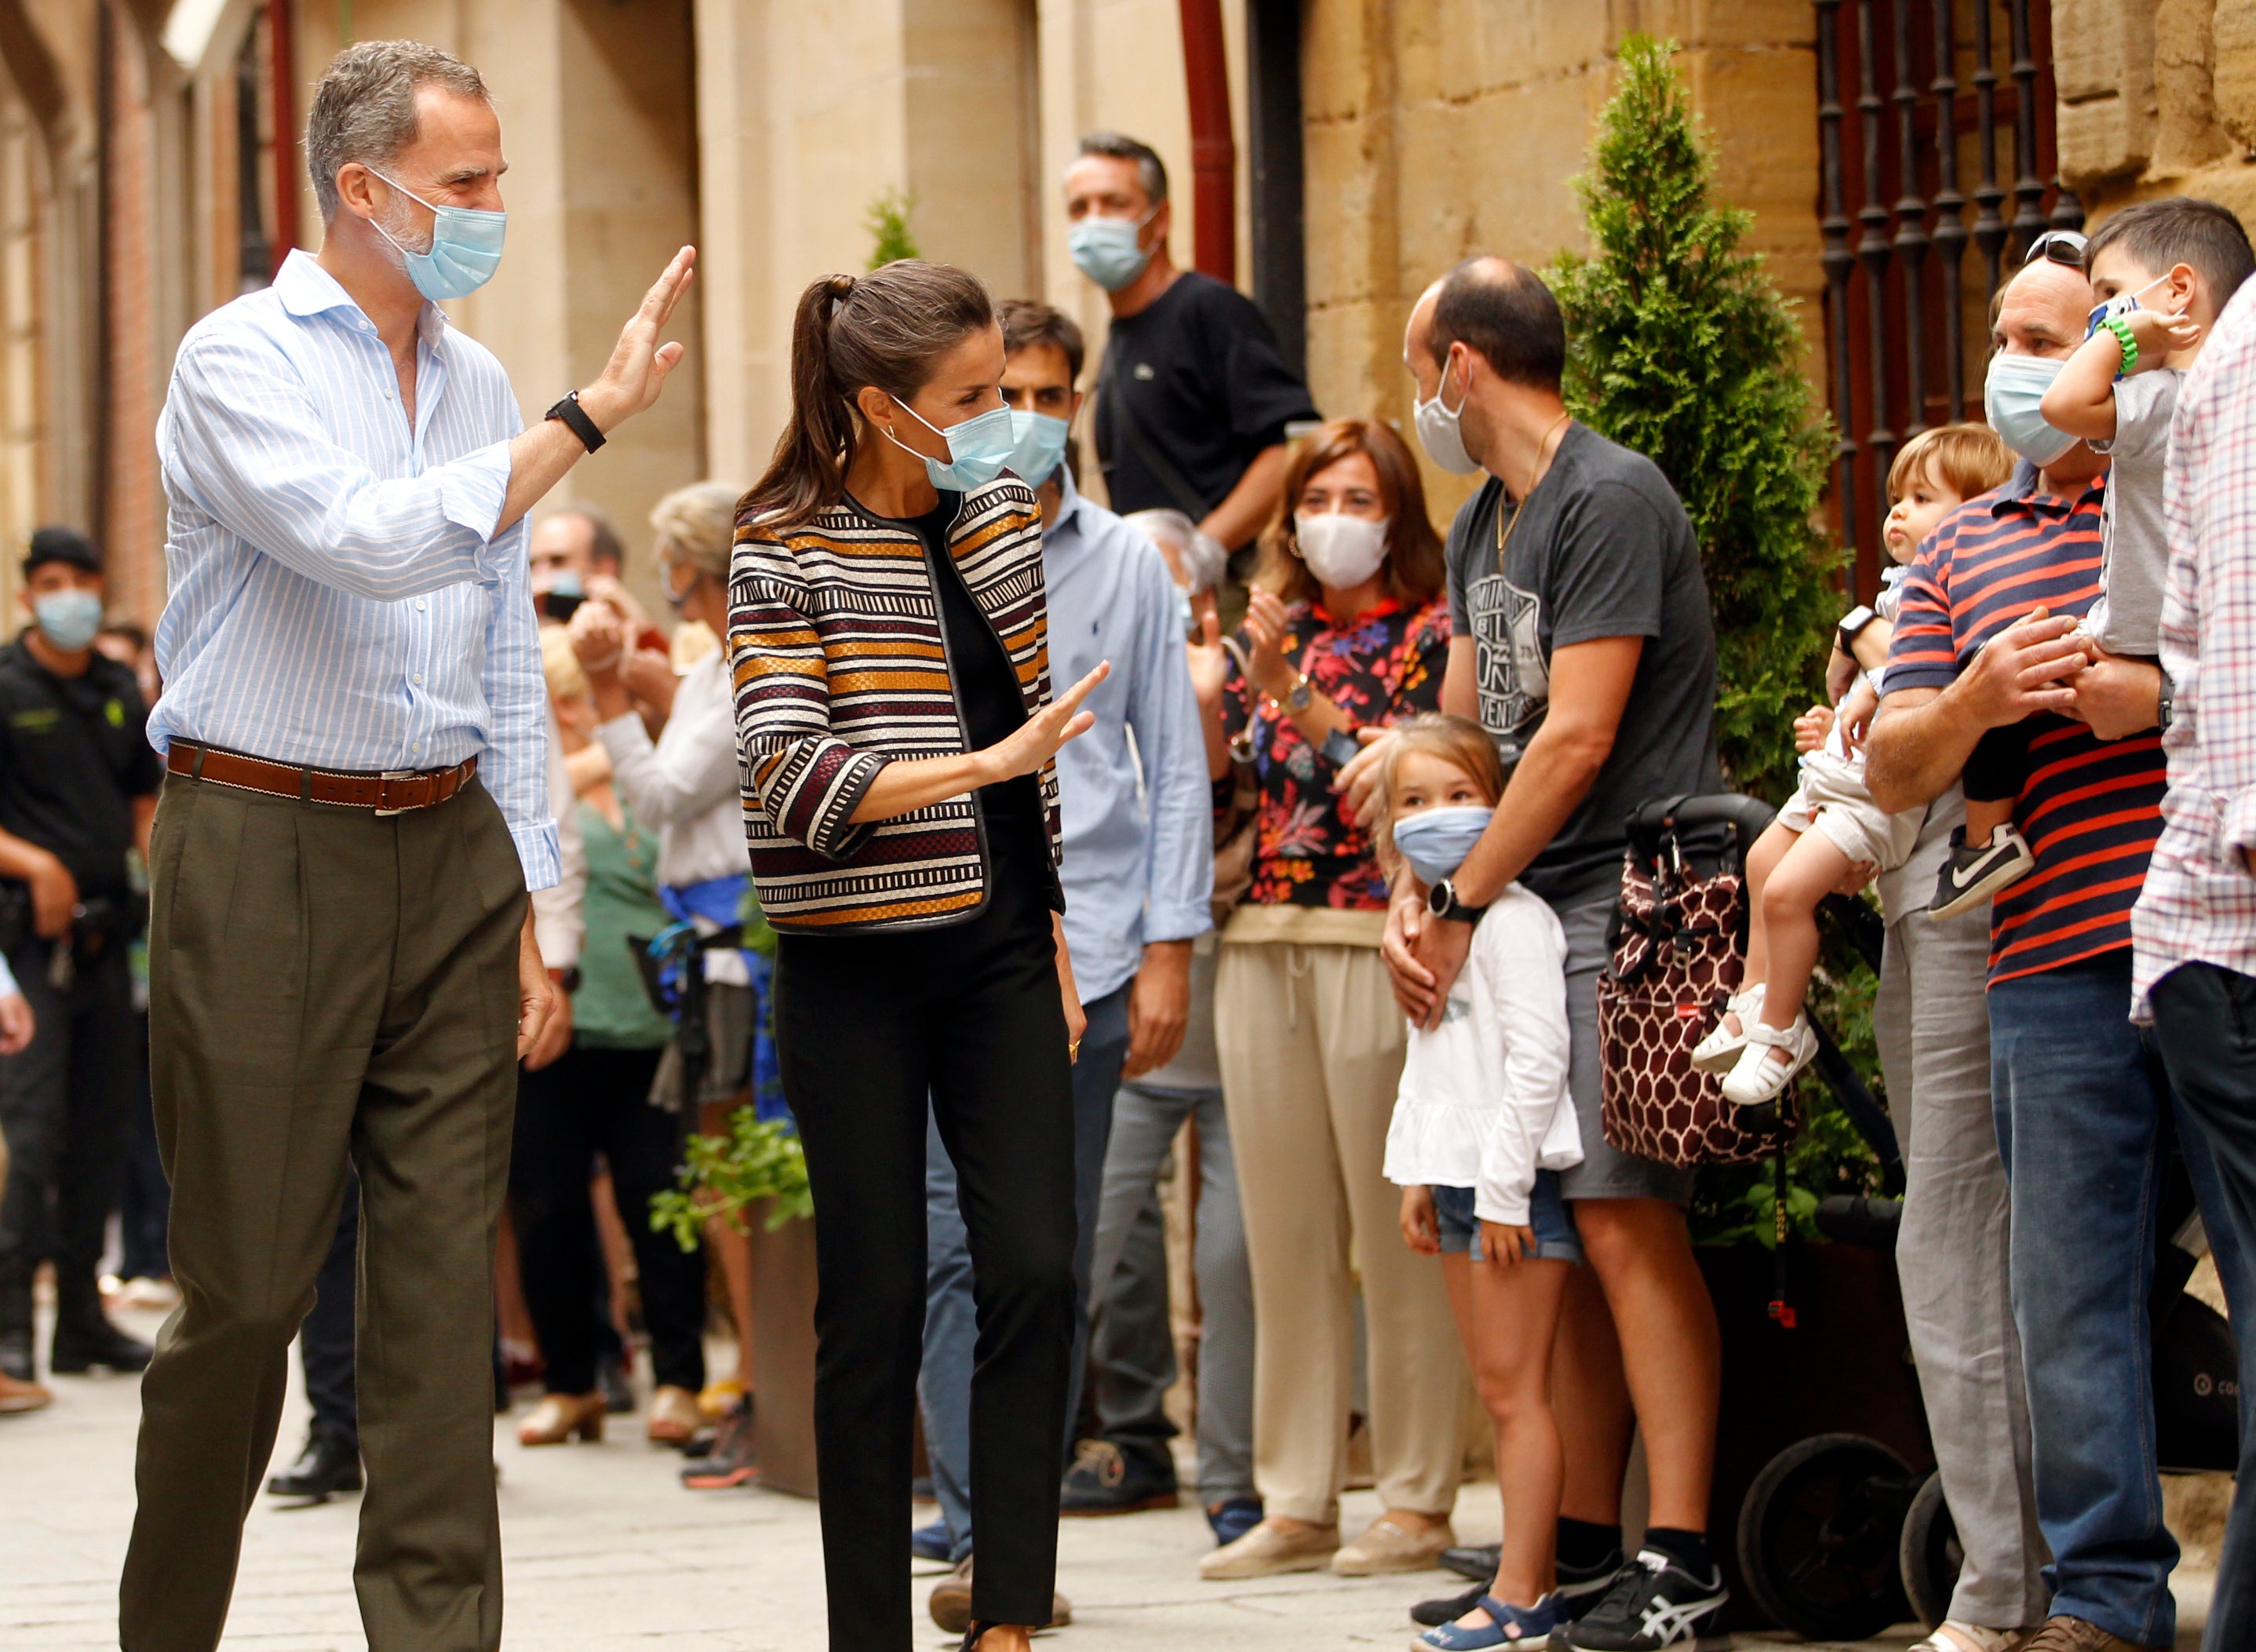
[{"x": 1678, "y": 942}]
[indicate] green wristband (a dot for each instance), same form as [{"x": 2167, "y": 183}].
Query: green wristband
[{"x": 2124, "y": 336}]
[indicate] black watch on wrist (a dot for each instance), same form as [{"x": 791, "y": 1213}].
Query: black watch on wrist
[
  {"x": 575, "y": 418},
  {"x": 1441, "y": 900},
  {"x": 2165, "y": 694},
  {"x": 1852, "y": 626}
]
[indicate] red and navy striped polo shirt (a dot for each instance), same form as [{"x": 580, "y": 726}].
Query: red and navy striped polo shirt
[{"x": 2090, "y": 808}]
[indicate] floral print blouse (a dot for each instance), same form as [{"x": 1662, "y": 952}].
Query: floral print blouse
[{"x": 1384, "y": 667}]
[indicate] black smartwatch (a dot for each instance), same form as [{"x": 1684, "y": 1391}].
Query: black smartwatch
[
  {"x": 575, "y": 419},
  {"x": 1852, "y": 626},
  {"x": 1441, "y": 900}
]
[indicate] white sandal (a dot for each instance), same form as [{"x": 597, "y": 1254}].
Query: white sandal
[
  {"x": 1719, "y": 1051},
  {"x": 1756, "y": 1079},
  {"x": 1953, "y": 1636}
]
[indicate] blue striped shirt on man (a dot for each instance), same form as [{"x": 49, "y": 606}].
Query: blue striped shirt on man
[{"x": 340, "y": 599}]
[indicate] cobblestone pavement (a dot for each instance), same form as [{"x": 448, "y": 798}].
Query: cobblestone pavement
[{"x": 607, "y": 1554}]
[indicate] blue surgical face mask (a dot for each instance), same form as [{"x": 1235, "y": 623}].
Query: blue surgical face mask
[
  {"x": 465, "y": 249},
  {"x": 1038, "y": 447},
  {"x": 1436, "y": 841},
  {"x": 68, "y": 619},
  {"x": 2016, "y": 386},
  {"x": 566, "y": 583},
  {"x": 977, "y": 448},
  {"x": 1106, "y": 251},
  {"x": 2121, "y": 305}
]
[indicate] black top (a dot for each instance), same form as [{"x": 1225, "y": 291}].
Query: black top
[
  {"x": 73, "y": 754},
  {"x": 1200, "y": 372},
  {"x": 1603, "y": 549},
  {"x": 986, "y": 691}
]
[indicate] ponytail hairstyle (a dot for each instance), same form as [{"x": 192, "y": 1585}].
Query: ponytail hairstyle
[{"x": 887, "y": 328}]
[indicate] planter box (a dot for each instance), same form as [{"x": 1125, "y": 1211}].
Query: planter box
[{"x": 783, "y": 1350}]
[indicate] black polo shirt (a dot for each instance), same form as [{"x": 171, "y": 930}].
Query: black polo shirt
[
  {"x": 1201, "y": 373},
  {"x": 73, "y": 755}
]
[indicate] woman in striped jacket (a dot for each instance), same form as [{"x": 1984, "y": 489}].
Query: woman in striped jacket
[{"x": 888, "y": 645}]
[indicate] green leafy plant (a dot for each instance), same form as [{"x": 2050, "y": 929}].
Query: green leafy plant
[
  {"x": 756, "y": 1160},
  {"x": 888, "y": 223},
  {"x": 1680, "y": 346}
]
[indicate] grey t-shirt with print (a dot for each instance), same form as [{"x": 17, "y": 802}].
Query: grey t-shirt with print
[
  {"x": 1604, "y": 549},
  {"x": 2134, "y": 546}
]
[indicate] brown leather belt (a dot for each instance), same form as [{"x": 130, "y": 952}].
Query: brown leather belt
[{"x": 394, "y": 792}]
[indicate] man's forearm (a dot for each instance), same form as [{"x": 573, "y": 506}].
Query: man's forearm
[
  {"x": 538, "y": 457},
  {"x": 1919, "y": 742},
  {"x": 1247, "y": 509},
  {"x": 21, "y": 860},
  {"x": 1552, "y": 780}
]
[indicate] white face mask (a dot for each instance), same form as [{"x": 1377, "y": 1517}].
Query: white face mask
[
  {"x": 1438, "y": 432},
  {"x": 1342, "y": 551}
]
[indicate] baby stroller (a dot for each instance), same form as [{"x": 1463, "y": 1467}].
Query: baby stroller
[{"x": 1843, "y": 1530}]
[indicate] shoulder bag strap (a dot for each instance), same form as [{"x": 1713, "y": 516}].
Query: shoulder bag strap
[{"x": 1114, "y": 400}]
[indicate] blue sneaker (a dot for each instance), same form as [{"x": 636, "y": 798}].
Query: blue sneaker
[
  {"x": 1506, "y": 1626},
  {"x": 1232, "y": 1518},
  {"x": 933, "y": 1543}
]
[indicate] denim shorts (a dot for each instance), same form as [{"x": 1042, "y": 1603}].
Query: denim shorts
[{"x": 1547, "y": 1215}]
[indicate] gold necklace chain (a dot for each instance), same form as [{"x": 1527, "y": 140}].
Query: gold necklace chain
[{"x": 1535, "y": 481}]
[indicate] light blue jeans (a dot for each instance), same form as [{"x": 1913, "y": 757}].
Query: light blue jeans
[{"x": 2084, "y": 1122}]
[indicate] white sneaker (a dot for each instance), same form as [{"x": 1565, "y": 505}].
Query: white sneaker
[
  {"x": 1757, "y": 1078},
  {"x": 1954, "y": 1636},
  {"x": 1719, "y": 1051}
]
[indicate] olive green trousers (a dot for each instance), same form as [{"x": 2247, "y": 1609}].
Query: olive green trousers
[{"x": 329, "y": 987}]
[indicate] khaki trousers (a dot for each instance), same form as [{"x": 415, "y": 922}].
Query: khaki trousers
[
  {"x": 325, "y": 987},
  {"x": 1311, "y": 1045}
]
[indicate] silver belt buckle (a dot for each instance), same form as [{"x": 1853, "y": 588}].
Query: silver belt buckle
[{"x": 395, "y": 775}]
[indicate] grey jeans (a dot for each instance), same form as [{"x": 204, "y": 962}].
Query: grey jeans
[
  {"x": 1933, "y": 1022},
  {"x": 1132, "y": 1361}
]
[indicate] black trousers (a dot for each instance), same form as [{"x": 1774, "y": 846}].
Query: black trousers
[
  {"x": 866, "y": 1027},
  {"x": 2205, "y": 1027},
  {"x": 592, "y": 1100},
  {"x": 324, "y": 1340},
  {"x": 63, "y": 1106},
  {"x": 145, "y": 1205}
]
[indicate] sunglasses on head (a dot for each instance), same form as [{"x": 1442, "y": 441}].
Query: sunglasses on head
[{"x": 2059, "y": 246}]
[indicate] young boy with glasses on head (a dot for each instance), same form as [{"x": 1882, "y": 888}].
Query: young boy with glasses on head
[{"x": 2161, "y": 271}]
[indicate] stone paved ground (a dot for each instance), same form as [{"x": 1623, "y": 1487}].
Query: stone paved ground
[{"x": 606, "y": 1554}]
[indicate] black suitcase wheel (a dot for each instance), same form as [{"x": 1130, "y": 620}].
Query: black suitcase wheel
[
  {"x": 1819, "y": 1534},
  {"x": 1930, "y": 1555}
]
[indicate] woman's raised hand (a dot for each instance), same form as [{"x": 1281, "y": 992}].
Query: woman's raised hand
[
  {"x": 1209, "y": 661},
  {"x": 599, "y": 637},
  {"x": 1266, "y": 625},
  {"x": 1037, "y": 739}
]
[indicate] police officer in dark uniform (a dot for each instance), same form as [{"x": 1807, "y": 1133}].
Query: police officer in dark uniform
[{"x": 78, "y": 788}]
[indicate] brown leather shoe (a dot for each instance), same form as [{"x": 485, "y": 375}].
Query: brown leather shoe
[
  {"x": 2064, "y": 1633},
  {"x": 674, "y": 1416},
  {"x": 22, "y": 1396},
  {"x": 951, "y": 1602},
  {"x": 559, "y": 1417}
]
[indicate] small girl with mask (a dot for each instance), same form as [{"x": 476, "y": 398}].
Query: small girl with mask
[{"x": 1481, "y": 1130}]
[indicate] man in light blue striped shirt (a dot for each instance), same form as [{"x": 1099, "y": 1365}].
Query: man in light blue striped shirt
[{"x": 342, "y": 966}]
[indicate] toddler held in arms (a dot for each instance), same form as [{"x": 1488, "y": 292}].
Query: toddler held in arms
[
  {"x": 2162, "y": 272},
  {"x": 1764, "y": 1039},
  {"x": 1482, "y": 1128}
]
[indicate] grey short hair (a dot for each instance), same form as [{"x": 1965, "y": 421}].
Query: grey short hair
[
  {"x": 364, "y": 107},
  {"x": 700, "y": 523},
  {"x": 1150, "y": 171},
  {"x": 1203, "y": 560}
]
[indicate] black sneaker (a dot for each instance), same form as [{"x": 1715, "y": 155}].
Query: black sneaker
[
  {"x": 1105, "y": 1480},
  {"x": 1654, "y": 1603},
  {"x": 1580, "y": 1588},
  {"x": 1476, "y": 1562},
  {"x": 1971, "y": 876}
]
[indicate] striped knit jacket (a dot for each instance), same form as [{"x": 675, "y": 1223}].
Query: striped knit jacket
[{"x": 839, "y": 666}]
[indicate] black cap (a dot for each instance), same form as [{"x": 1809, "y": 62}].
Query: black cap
[{"x": 61, "y": 545}]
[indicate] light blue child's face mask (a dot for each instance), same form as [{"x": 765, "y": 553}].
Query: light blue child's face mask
[
  {"x": 465, "y": 248},
  {"x": 1436, "y": 841}
]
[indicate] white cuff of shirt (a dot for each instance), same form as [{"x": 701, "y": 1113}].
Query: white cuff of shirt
[
  {"x": 1187, "y": 924},
  {"x": 623, "y": 736},
  {"x": 1489, "y": 1206},
  {"x": 471, "y": 492},
  {"x": 537, "y": 852}
]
